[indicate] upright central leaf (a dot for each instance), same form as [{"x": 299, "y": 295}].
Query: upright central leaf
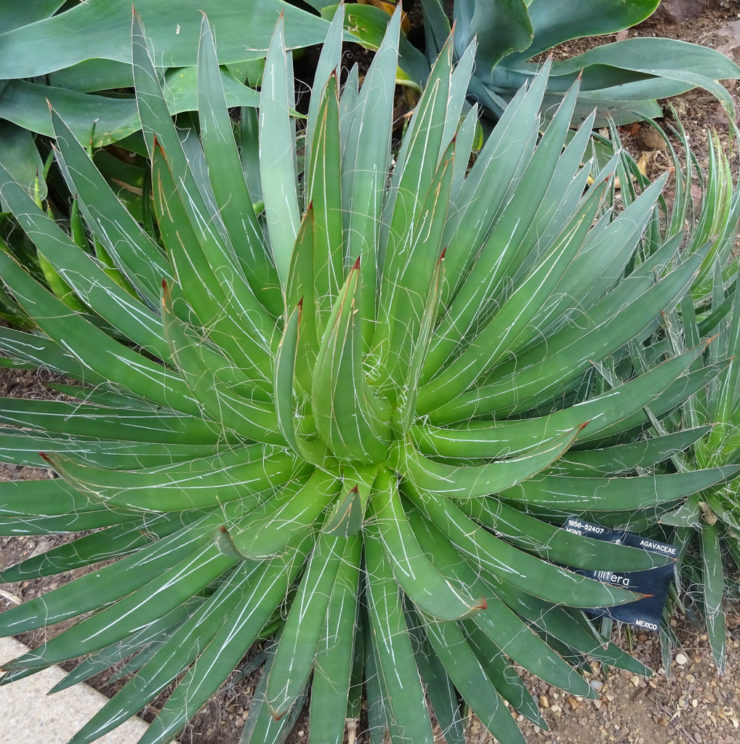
[{"x": 347, "y": 415}]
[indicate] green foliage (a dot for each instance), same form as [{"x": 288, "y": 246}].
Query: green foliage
[
  {"x": 77, "y": 57},
  {"x": 622, "y": 79},
  {"x": 352, "y": 420},
  {"x": 707, "y": 523}
]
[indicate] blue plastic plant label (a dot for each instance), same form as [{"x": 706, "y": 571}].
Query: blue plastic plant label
[{"x": 645, "y": 613}]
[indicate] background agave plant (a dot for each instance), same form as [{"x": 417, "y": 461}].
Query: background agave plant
[
  {"x": 623, "y": 79},
  {"x": 350, "y": 420},
  {"x": 706, "y": 524}
]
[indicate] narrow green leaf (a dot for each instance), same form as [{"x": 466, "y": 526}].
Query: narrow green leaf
[
  {"x": 171, "y": 588},
  {"x": 94, "y": 348},
  {"x": 324, "y": 194},
  {"x": 391, "y": 644},
  {"x": 108, "y": 583},
  {"x": 615, "y": 494},
  {"x": 469, "y": 677},
  {"x": 713, "y": 575},
  {"x": 423, "y": 584},
  {"x": 229, "y": 645},
  {"x": 227, "y": 178},
  {"x": 346, "y": 412},
  {"x": 277, "y": 152},
  {"x": 496, "y": 557},
  {"x": 284, "y": 517},
  {"x": 175, "y": 654},
  {"x": 299, "y": 640},
  {"x": 239, "y": 474},
  {"x": 216, "y": 383},
  {"x": 466, "y": 482},
  {"x": 333, "y": 664},
  {"x": 557, "y": 544}
]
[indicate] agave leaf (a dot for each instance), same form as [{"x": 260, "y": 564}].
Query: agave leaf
[
  {"x": 49, "y": 497},
  {"x": 513, "y": 392},
  {"x": 504, "y": 677},
  {"x": 106, "y": 423},
  {"x": 110, "y": 543},
  {"x": 557, "y": 544},
  {"x": 367, "y": 158},
  {"x": 26, "y": 449},
  {"x": 215, "y": 382},
  {"x": 391, "y": 644},
  {"x": 284, "y": 517},
  {"x": 185, "y": 197},
  {"x": 497, "y": 621},
  {"x": 299, "y": 641},
  {"x": 100, "y": 30},
  {"x": 499, "y": 165},
  {"x": 156, "y": 598},
  {"x": 346, "y": 413},
  {"x": 422, "y": 583},
  {"x": 193, "y": 267},
  {"x": 21, "y": 159},
  {"x": 77, "y": 269},
  {"x": 571, "y": 628},
  {"x": 554, "y": 22},
  {"x": 227, "y": 178},
  {"x": 495, "y": 557},
  {"x": 261, "y": 726},
  {"x": 482, "y": 480},
  {"x": 504, "y": 249},
  {"x": 505, "y": 28},
  {"x": 229, "y": 644},
  {"x": 153, "y": 636},
  {"x": 177, "y": 653},
  {"x": 111, "y": 224},
  {"x": 469, "y": 677},
  {"x": 713, "y": 592},
  {"x": 92, "y": 347},
  {"x": 64, "y": 523},
  {"x": 407, "y": 275},
  {"x": 328, "y": 64},
  {"x": 616, "y": 494},
  {"x": 324, "y": 193},
  {"x": 334, "y": 655},
  {"x": 99, "y": 120},
  {"x": 244, "y": 472},
  {"x": 440, "y": 690},
  {"x": 109, "y": 583},
  {"x": 701, "y": 67},
  {"x": 277, "y": 152},
  {"x": 501, "y": 334},
  {"x": 622, "y": 458}
]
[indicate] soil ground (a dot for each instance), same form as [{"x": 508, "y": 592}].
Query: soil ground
[{"x": 686, "y": 703}]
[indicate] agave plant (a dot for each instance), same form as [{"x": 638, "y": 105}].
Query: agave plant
[
  {"x": 623, "y": 79},
  {"x": 706, "y": 524},
  {"x": 709, "y": 520},
  {"x": 350, "y": 419}
]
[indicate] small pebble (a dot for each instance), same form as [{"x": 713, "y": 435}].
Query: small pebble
[
  {"x": 681, "y": 659},
  {"x": 595, "y": 684}
]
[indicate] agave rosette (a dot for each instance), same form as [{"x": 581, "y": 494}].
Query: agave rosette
[{"x": 341, "y": 420}]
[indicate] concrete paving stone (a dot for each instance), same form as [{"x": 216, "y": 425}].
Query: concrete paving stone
[{"x": 29, "y": 716}]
